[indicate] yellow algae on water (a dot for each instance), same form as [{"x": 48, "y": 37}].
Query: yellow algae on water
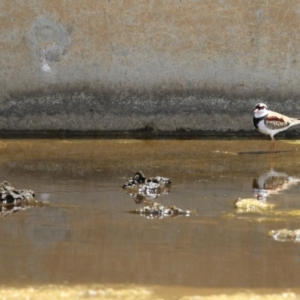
[
  {"x": 285, "y": 235},
  {"x": 245, "y": 296},
  {"x": 252, "y": 204},
  {"x": 77, "y": 292},
  {"x": 294, "y": 142},
  {"x": 97, "y": 292}
]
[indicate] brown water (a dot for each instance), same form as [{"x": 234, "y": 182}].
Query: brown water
[{"x": 87, "y": 241}]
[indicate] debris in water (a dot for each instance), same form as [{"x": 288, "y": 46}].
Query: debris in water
[
  {"x": 146, "y": 190},
  {"x": 285, "y": 235}
]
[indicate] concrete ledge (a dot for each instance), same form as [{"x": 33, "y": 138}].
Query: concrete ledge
[
  {"x": 166, "y": 67},
  {"x": 130, "y": 114}
]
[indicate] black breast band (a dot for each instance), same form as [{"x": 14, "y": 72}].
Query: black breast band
[{"x": 257, "y": 120}]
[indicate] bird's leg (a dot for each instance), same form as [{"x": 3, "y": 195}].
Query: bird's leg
[{"x": 272, "y": 145}]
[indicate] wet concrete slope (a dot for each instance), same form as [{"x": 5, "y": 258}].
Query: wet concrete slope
[{"x": 160, "y": 66}]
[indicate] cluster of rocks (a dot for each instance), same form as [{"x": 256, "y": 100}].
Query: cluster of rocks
[
  {"x": 143, "y": 189},
  {"x": 146, "y": 190}
]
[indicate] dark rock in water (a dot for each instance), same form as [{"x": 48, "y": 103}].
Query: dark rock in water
[
  {"x": 156, "y": 210},
  {"x": 140, "y": 178},
  {"x": 10, "y": 195},
  {"x": 162, "y": 181},
  {"x": 143, "y": 189}
]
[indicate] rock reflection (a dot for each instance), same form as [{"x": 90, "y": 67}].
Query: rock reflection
[
  {"x": 271, "y": 183},
  {"x": 7, "y": 210},
  {"x": 146, "y": 192}
]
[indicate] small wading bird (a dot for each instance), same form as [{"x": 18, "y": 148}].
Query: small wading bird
[{"x": 270, "y": 122}]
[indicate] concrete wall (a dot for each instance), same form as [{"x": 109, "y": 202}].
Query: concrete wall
[{"x": 171, "y": 65}]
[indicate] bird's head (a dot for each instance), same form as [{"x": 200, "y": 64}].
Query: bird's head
[{"x": 261, "y": 109}]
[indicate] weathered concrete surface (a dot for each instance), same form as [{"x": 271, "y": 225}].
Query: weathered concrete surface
[{"x": 172, "y": 65}]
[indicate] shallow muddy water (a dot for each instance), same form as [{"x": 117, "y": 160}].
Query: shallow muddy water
[{"x": 85, "y": 241}]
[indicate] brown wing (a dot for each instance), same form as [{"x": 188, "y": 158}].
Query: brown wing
[{"x": 277, "y": 121}]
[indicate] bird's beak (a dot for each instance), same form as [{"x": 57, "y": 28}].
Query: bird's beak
[{"x": 256, "y": 110}]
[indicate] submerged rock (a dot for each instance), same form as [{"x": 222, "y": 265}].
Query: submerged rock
[
  {"x": 142, "y": 189},
  {"x": 10, "y": 195},
  {"x": 285, "y": 235},
  {"x": 156, "y": 210},
  {"x": 252, "y": 205}
]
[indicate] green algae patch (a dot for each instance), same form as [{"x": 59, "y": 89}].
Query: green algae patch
[{"x": 253, "y": 205}]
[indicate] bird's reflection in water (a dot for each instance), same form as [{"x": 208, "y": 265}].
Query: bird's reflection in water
[{"x": 271, "y": 183}]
